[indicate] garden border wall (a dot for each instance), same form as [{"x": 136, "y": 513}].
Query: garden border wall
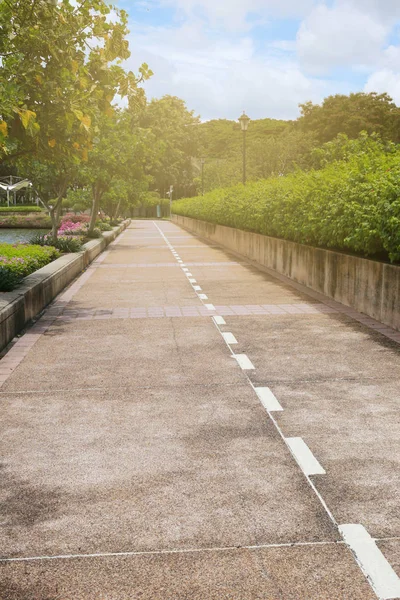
[
  {"x": 370, "y": 287},
  {"x": 19, "y": 307}
]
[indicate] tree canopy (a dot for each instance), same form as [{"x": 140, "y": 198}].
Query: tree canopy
[{"x": 373, "y": 113}]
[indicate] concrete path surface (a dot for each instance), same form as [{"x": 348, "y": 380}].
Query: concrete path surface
[{"x": 180, "y": 425}]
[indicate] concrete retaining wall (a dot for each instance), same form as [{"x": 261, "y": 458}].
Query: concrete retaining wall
[
  {"x": 368, "y": 286},
  {"x": 19, "y": 307}
]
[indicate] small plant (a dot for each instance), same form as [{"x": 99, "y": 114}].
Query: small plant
[
  {"x": 96, "y": 233},
  {"x": 64, "y": 243},
  {"x": 104, "y": 226}
]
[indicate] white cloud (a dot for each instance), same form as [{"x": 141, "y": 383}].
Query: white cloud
[
  {"x": 208, "y": 55},
  {"x": 219, "y": 77},
  {"x": 340, "y": 36},
  {"x": 385, "y": 11},
  {"x": 385, "y": 80},
  {"x": 233, "y": 14}
]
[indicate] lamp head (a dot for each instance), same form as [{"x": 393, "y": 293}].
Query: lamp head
[{"x": 244, "y": 121}]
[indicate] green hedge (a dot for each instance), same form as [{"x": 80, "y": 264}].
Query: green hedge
[
  {"x": 18, "y": 261},
  {"x": 25, "y": 221},
  {"x": 351, "y": 204},
  {"x": 20, "y": 209}
]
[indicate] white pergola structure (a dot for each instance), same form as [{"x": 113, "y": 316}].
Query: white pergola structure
[{"x": 13, "y": 184}]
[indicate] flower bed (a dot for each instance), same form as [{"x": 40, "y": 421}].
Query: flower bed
[
  {"x": 38, "y": 220},
  {"x": 19, "y": 260}
]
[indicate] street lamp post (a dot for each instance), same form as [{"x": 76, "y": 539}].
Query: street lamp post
[
  {"x": 203, "y": 162},
  {"x": 244, "y": 121},
  {"x": 171, "y": 191}
]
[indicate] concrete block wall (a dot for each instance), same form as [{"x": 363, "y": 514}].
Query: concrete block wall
[
  {"x": 19, "y": 307},
  {"x": 368, "y": 286}
]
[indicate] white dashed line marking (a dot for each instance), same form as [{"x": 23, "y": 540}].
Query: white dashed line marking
[
  {"x": 189, "y": 275},
  {"x": 304, "y": 457},
  {"x": 203, "y": 297},
  {"x": 197, "y": 288},
  {"x": 185, "y": 269},
  {"x": 382, "y": 577},
  {"x": 229, "y": 338},
  {"x": 268, "y": 399},
  {"x": 219, "y": 320},
  {"x": 244, "y": 362},
  {"x": 209, "y": 306},
  {"x": 192, "y": 280}
]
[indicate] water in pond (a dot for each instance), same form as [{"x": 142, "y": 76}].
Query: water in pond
[{"x": 12, "y": 236}]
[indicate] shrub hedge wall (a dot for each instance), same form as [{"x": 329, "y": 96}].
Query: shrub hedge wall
[{"x": 351, "y": 203}]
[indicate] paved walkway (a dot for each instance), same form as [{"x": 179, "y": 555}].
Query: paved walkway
[{"x": 180, "y": 425}]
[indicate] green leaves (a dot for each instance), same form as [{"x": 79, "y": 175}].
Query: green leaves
[
  {"x": 351, "y": 204},
  {"x": 60, "y": 75}
]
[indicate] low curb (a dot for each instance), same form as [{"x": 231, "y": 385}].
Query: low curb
[{"x": 19, "y": 307}]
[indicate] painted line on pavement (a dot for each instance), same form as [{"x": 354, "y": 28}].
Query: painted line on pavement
[
  {"x": 229, "y": 338},
  {"x": 219, "y": 320},
  {"x": 268, "y": 399},
  {"x": 304, "y": 457},
  {"x": 370, "y": 559},
  {"x": 173, "y": 551},
  {"x": 197, "y": 288},
  {"x": 210, "y": 306},
  {"x": 372, "y": 562},
  {"x": 192, "y": 280},
  {"x": 203, "y": 296},
  {"x": 244, "y": 362}
]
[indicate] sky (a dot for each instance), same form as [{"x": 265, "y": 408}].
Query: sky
[{"x": 264, "y": 56}]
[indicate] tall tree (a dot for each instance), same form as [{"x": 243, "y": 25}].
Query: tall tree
[
  {"x": 60, "y": 73},
  {"x": 175, "y": 129},
  {"x": 373, "y": 113}
]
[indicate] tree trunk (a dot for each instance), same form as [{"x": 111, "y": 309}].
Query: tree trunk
[
  {"x": 54, "y": 225},
  {"x": 116, "y": 213},
  {"x": 95, "y": 208},
  {"x": 55, "y": 212}
]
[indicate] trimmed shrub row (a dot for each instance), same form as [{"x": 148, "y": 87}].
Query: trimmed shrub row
[
  {"x": 18, "y": 261},
  {"x": 352, "y": 203},
  {"x": 20, "y": 209}
]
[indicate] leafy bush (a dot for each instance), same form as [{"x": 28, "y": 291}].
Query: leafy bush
[
  {"x": 64, "y": 243},
  {"x": 71, "y": 228},
  {"x": 9, "y": 279},
  {"x": 102, "y": 226},
  {"x": 21, "y": 209},
  {"x": 96, "y": 233},
  {"x": 70, "y": 217},
  {"x": 19, "y": 260},
  {"x": 352, "y": 203},
  {"x": 36, "y": 221}
]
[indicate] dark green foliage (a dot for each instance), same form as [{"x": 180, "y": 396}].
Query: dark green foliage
[
  {"x": 64, "y": 243},
  {"x": 95, "y": 234},
  {"x": 9, "y": 279},
  {"x": 103, "y": 226},
  {"x": 221, "y": 138},
  {"x": 351, "y": 204},
  {"x": 20, "y": 209},
  {"x": 373, "y": 113}
]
